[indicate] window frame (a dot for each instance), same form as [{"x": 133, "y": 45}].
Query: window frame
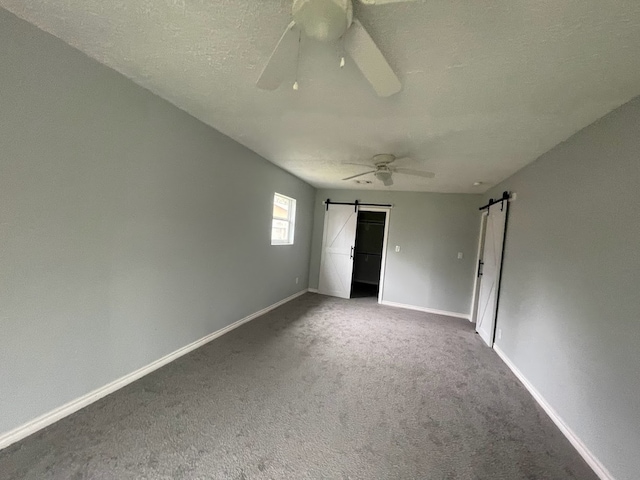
[{"x": 291, "y": 219}]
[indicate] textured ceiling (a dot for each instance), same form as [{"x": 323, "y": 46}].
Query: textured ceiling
[{"x": 488, "y": 86}]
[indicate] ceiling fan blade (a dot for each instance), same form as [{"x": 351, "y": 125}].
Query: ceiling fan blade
[
  {"x": 360, "y": 164},
  {"x": 382, "y": 2},
  {"x": 282, "y": 61},
  {"x": 365, "y": 53},
  {"x": 411, "y": 171},
  {"x": 359, "y": 175},
  {"x": 388, "y": 181}
]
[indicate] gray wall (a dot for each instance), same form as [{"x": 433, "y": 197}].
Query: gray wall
[
  {"x": 570, "y": 299},
  {"x": 430, "y": 228},
  {"x": 128, "y": 229}
]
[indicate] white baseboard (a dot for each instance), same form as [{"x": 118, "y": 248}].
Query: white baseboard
[
  {"x": 73, "y": 406},
  {"x": 425, "y": 309},
  {"x": 313, "y": 290},
  {"x": 582, "y": 449}
]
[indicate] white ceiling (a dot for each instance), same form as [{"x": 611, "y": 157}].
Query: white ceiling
[{"x": 488, "y": 86}]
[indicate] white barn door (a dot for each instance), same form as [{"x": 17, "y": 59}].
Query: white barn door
[
  {"x": 338, "y": 242},
  {"x": 490, "y": 271}
]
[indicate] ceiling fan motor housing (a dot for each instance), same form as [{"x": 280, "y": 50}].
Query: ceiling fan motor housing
[
  {"x": 383, "y": 158},
  {"x": 323, "y": 20}
]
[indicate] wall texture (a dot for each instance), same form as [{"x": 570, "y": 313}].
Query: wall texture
[
  {"x": 570, "y": 297},
  {"x": 128, "y": 229},
  {"x": 430, "y": 228}
]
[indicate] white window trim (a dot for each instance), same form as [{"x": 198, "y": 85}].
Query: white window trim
[{"x": 291, "y": 220}]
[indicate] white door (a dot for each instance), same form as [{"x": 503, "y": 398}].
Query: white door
[
  {"x": 490, "y": 271},
  {"x": 338, "y": 241}
]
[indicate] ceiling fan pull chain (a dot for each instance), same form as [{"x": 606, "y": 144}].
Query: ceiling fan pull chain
[
  {"x": 341, "y": 51},
  {"x": 295, "y": 83}
]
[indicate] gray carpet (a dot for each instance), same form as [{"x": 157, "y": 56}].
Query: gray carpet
[{"x": 318, "y": 388}]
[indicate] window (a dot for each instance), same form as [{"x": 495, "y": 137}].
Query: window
[{"x": 284, "y": 218}]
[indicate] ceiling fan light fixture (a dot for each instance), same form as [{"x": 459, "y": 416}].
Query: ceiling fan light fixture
[{"x": 383, "y": 176}]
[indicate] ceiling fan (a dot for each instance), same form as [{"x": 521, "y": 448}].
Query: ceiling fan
[
  {"x": 384, "y": 170},
  {"x": 329, "y": 21}
]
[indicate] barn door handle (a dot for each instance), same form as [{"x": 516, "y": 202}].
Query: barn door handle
[
  {"x": 480, "y": 267},
  {"x": 351, "y": 254}
]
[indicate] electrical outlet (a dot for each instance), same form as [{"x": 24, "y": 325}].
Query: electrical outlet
[
  {"x": 297, "y": 279},
  {"x": 460, "y": 256},
  {"x": 397, "y": 248}
]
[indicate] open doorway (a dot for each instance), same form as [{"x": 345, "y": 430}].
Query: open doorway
[{"x": 368, "y": 251}]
